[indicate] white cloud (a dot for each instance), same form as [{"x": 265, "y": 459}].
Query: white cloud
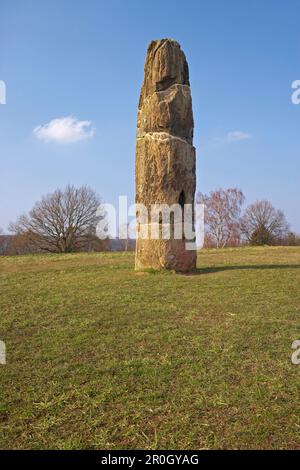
[
  {"x": 64, "y": 130},
  {"x": 236, "y": 136}
]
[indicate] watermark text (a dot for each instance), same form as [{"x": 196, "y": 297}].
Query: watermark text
[
  {"x": 296, "y": 355},
  {"x": 2, "y": 353},
  {"x": 2, "y": 92}
]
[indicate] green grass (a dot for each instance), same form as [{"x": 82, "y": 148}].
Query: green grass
[{"x": 101, "y": 357}]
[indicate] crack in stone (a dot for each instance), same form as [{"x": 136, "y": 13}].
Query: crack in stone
[
  {"x": 148, "y": 97},
  {"x": 163, "y": 136}
]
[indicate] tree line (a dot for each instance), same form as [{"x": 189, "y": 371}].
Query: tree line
[
  {"x": 65, "y": 221},
  {"x": 227, "y": 225}
]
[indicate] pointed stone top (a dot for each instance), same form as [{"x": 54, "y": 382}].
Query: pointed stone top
[
  {"x": 158, "y": 42},
  {"x": 165, "y": 66}
]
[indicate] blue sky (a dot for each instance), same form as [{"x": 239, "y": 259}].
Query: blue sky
[{"x": 84, "y": 60}]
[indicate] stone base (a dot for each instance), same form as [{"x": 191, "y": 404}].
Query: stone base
[{"x": 164, "y": 254}]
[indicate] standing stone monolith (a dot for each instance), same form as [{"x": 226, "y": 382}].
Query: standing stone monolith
[{"x": 165, "y": 157}]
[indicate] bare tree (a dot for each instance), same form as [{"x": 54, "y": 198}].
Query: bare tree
[
  {"x": 222, "y": 214},
  {"x": 292, "y": 239},
  {"x": 262, "y": 224},
  {"x": 62, "y": 221}
]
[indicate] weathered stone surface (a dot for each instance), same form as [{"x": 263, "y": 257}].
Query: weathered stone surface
[
  {"x": 164, "y": 254},
  {"x": 165, "y": 156}
]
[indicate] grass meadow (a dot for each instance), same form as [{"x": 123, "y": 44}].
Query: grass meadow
[{"x": 101, "y": 357}]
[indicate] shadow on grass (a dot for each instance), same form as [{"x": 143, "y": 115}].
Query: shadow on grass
[{"x": 217, "y": 269}]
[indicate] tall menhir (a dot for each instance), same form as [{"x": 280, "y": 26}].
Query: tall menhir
[{"x": 165, "y": 157}]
